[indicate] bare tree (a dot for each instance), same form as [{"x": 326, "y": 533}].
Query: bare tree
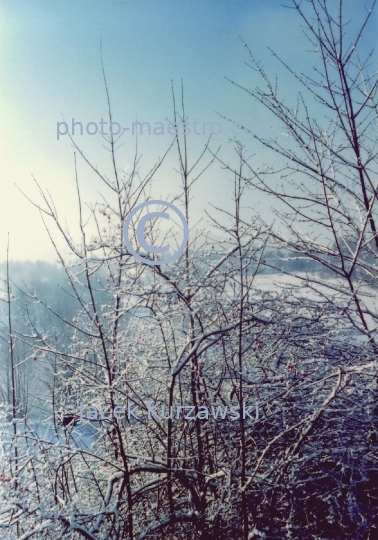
[
  {"x": 324, "y": 194},
  {"x": 226, "y": 329}
]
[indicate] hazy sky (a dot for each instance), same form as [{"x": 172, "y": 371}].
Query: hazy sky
[{"x": 50, "y": 67}]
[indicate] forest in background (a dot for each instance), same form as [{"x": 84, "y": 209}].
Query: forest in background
[{"x": 284, "y": 315}]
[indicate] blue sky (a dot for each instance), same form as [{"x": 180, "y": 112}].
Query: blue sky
[{"x": 50, "y": 66}]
